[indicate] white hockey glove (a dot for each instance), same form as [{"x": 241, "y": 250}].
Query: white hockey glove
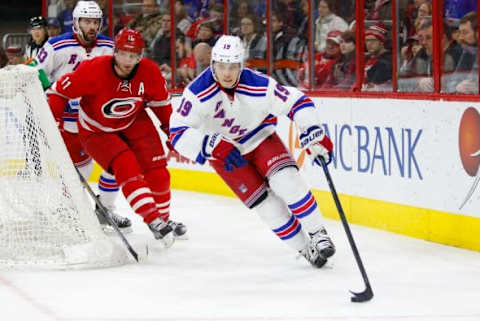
[{"x": 317, "y": 144}]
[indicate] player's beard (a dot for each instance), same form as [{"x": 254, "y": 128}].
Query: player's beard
[{"x": 90, "y": 36}]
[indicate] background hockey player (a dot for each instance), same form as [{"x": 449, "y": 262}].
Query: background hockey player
[
  {"x": 63, "y": 54},
  {"x": 116, "y": 131},
  {"x": 227, "y": 115}
]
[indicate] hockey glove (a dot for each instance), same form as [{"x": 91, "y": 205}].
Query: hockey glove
[
  {"x": 317, "y": 144},
  {"x": 216, "y": 147}
]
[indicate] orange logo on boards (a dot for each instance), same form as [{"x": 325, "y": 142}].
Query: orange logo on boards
[
  {"x": 294, "y": 145},
  {"x": 469, "y": 147}
]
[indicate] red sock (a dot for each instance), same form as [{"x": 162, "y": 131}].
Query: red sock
[
  {"x": 134, "y": 187},
  {"x": 159, "y": 181}
]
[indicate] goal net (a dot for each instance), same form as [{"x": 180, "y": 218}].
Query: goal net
[{"x": 46, "y": 219}]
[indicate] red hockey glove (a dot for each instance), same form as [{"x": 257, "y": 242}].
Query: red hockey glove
[
  {"x": 317, "y": 144},
  {"x": 223, "y": 150}
]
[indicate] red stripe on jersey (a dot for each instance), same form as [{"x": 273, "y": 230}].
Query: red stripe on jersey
[{"x": 207, "y": 91}]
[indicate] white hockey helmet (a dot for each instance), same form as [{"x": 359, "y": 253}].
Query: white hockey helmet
[
  {"x": 227, "y": 49},
  {"x": 86, "y": 9}
]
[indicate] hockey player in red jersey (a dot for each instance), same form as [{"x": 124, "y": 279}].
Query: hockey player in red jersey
[
  {"x": 63, "y": 54},
  {"x": 228, "y": 116},
  {"x": 116, "y": 131}
]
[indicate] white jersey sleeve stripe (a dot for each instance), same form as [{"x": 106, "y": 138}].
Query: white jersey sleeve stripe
[{"x": 158, "y": 103}]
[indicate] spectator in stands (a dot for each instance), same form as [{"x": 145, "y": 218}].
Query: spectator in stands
[
  {"x": 255, "y": 44},
  {"x": 379, "y": 10},
  {"x": 259, "y": 8},
  {"x": 450, "y": 46},
  {"x": 378, "y": 61},
  {"x": 240, "y": 10},
  {"x": 424, "y": 62},
  {"x": 342, "y": 75},
  {"x": 419, "y": 74},
  {"x": 39, "y": 35},
  {"x": 53, "y": 27},
  {"x": 456, "y": 9},
  {"x": 215, "y": 17},
  {"x": 409, "y": 12},
  {"x": 292, "y": 13},
  {"x": 15, "y": 55},
  {"x": 186, "y": 63},
  {"x": 202, "y": 53},
  {"x": 347, "y": 10},
  {"x": 416, "y": 5},
  {"x": 54, "y": 7},
  {"x": 197, "y": 9},
  {"x": 468, "y": 38},
  {"x": 148, "y": 22},
  {"x": 302, "y": 29},
  {"x": 206, "y": 33},
  {"x": 282, "y": 63},
  {"x": 424, "y": 11},
  {"x": 182, "y": 20},
  {"x": 408, "y": 56},
  {"x": 160, "y": 48},
  {"x": 296, "y": 47},
  {"x": 66, "y": 16},
  {"x": 326, "y": 22},
  {"x": 103, "y": 6},
  {"x": 324, "y": 61},
  {"x": 3, "y": 58}
]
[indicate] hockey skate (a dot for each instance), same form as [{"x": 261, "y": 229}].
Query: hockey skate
[
  {"x": 123, "y": 223},
  {"x": 162, "y": 231},
  {"x": 319, "y": 249},
  {"x": 179, "y": 230}
]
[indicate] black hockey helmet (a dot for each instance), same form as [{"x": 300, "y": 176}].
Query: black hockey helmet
[{"x": 38, "y": 21}]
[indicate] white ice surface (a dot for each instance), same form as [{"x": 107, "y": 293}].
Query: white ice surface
[{"x": 232, "y": 268}]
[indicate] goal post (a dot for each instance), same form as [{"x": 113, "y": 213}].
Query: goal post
[{"x": 45, "y": 218}]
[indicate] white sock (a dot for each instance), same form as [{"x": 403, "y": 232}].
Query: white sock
[
  {"x": 290, "y": 187},
  {"x": 108, "y": 190},
  {"x": 274, "y": 212}
]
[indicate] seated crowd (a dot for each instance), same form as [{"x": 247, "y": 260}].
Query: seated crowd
[{"x": 198, "y": 24}]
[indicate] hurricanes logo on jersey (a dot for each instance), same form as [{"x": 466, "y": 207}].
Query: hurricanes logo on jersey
[{"x": 120, "y": 107}]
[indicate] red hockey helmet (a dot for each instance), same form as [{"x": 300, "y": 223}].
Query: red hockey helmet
[{"x": 130, "y": 40}]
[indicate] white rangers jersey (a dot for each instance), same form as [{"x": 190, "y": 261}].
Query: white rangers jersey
[
  {"x": 63, "y": 54},
  {"x": 245, "y": 119}
]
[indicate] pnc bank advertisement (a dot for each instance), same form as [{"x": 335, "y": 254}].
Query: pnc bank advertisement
[{"x": 424, "y": 154}]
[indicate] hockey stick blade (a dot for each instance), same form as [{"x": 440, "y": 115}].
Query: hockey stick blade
[
  {"x": 367, "y": 294},
  {"x": 104, "y": 212}
]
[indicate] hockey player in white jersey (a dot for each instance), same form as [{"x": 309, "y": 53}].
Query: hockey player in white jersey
[
  {"x": 63, "y": 54},
  {"x": 227, "y": 116}
]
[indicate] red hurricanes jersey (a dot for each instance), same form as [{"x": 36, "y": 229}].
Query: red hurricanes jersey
[{"x": 109, "y": 103}]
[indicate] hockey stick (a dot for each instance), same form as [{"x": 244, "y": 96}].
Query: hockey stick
[
  {"x": 366, "y": 294},
  {"x": 106, "y": 215}
]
